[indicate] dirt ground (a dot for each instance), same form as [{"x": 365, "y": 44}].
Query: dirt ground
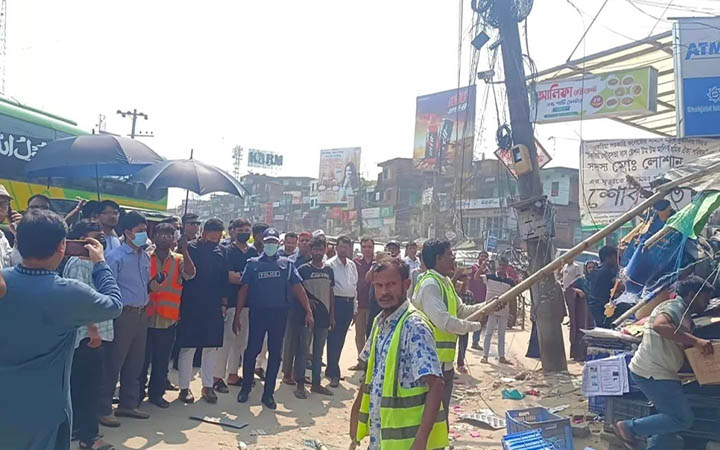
[{"x": 326, "y": 419}]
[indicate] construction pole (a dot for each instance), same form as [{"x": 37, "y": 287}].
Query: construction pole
[
  {"x": 548, "y": 304},
  {"x": 134, "y": 114}
]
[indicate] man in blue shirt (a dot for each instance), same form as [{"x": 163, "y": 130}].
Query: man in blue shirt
[
  {"x": 267, "y": 281},
  {"x": 39, "y": 318},
  {"x": 130, "y": 265}
]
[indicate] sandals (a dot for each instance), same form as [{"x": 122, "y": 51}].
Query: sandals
[{"x": 629, "y": 441}]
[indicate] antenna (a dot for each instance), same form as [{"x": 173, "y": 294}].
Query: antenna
[{"x": 3, "y": 43}]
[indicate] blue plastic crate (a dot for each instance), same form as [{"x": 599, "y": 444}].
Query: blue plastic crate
[
  {"x": 528, "y": 440},
  {"x": 555, "y": 430},
  {"x": 597, "y": 404}
]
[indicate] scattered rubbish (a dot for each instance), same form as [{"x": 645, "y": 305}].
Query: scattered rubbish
[
  {"x": 237, "y": 424},
  {"x": 474, "y": 434},
  {"x": 580, "y": 431},
  {"x": 512, "y": 395},
  {"x": 534, "y": 392},
  {"x": 314, "y": 444},
  {"x": 496, "y": 384},
  {"x": 242, "y": 445},
  {"x": 258, "y": 432},
  {"x": 485, "y": 417},
  {"x": 507, "y": 379},
  {"x": 578, "y": 419},
  {"x": 523, "y": 375},
  {"x": 558, "y": 408}
]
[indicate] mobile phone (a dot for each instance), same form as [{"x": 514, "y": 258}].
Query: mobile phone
[{"x": 76, "y": 248}]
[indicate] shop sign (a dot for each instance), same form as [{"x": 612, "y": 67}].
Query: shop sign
[{"x": 614, "y": 94}]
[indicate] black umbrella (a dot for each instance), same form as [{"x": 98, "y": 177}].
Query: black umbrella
[
  {"x": 91, "y": 156},
  {"x": 189, "y": 174}
]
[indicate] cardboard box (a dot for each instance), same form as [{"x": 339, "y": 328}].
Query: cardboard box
[{"x": 706, "y": 368}]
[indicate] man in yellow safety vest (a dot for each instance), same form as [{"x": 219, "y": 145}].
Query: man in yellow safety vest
[
  {"x": 435, "y": 296},
  {"x": 399, "y": 405}
]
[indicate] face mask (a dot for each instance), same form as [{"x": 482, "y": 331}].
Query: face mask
[
  {"x": 243, "y": 237},
  {"x": 270, "y": 249},
  {"x": 140, "y": 239}
]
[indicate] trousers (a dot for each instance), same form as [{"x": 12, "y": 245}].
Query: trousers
[
  {"x": 207, "y": 366},
  {"x": 228, "y": 358},
  {"x": 500, "y": 322},
  {"x": 318, "y": 336},
  {"x": 673, "y": 413},
  {"x": 462, "y": 349},
  {"x": 295, "y": 347},
  {"x": 361, "y": 324},
  {"x": 270, "y": 323},
  {"x": 344, "y": 309},
  {"x": 157, "y": 355},
  {"x": 125, "y": 359},
  {"x": 448, "y": 378},
  {"x": 87, "y": 369}
]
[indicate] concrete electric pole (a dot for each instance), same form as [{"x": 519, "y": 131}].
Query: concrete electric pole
[
  {"x": 135, "y": 114},
  {"x": 533, "y": 210}
]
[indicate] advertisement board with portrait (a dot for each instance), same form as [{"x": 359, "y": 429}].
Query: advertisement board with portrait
[{"x": 339, "y": 176}]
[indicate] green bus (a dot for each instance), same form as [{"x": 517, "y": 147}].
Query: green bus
[{"x": 24, "y": 131}]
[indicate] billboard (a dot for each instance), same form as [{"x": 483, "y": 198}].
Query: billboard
[
  {"x": 339, "y": 176},
  {"x": 697, "y": 76},
  {"x": 445, "y": 130},
  {"x": 604, "y": 191},
  {"x": 613, "y": 94},
  {"x": 263, "y": 159}
]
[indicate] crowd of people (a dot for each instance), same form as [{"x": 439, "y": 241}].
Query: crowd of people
[{"x": 241, "y": 302}]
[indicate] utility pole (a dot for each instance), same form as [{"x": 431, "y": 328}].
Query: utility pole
[
  {"x": 135, "y": 114},
  {"x": 547, "y": 301}
]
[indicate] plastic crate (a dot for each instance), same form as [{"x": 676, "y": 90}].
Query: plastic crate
[
  {"x": 624, "y": 408},
  {"x": 528, "y": 440},
  {"x": 555, "y": 429},
  {"x": 596, "y": 404}
]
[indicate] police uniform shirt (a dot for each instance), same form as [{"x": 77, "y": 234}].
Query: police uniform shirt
[{"x": 269, "y": 281}]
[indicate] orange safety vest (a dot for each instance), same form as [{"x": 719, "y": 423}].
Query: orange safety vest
[{"x": 166, "y": 301}]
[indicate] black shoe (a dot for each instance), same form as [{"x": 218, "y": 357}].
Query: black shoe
[
  {"x": 160, "y": 402},
  {"x": 269, "y": 401},
  {"x": 243, "y": 397},
  {"x": 171, "y": 387},
  {"x": 186, "y": 396}
]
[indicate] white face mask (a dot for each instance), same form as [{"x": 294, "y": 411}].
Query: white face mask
[{"x": 270, "y": 249}]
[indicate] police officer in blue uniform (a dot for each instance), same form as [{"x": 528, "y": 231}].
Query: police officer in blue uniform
[{"x": 268, "y": 281}]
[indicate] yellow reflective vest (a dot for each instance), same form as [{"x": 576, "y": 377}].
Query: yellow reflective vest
[
  {"x": 401, "y": 409},
  {"x": 446, "y": 343}
]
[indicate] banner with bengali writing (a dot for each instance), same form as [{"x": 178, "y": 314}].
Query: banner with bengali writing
[{"x": 605, "y": 193}]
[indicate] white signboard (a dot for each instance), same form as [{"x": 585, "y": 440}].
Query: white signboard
[
  {"x": 614, "y": 94},
  {"x": 371, "y": 213},
  {"x": 606, "y": 194},
  {"x": 427, "y": 196},
  {"x": 263, "y": 159},
  {"x": 479, "y": 203}
]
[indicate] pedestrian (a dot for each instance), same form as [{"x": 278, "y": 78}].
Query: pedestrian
[
  {"x": 345, "y": 290},
  {"x": 363, "y": 263},
  {"x": 656, "y": 363},
  {"x": 374, "y": 308},
  {"x": 267, "y": 283},
  {"x": 318, "y": 281},
  {"x": 580, "y": 318},
  {"x": 393, "y": 248},
  {"x": 399, "y": 405},
  {"x": 40, "y": 314},
  {"x": 461, "y": 288},
  {"x": 479, "y": 289},
  {"x": 203, "y": 307},
  {"x": 415, "y": 274},
  {"x": 436, "y": 297},
  {"x": 107, "y": 213},
  {"x": 39, "y": 201},
  {"x": 90, "y": 344},
  {"x": 290, "y": 243},
  {"x": 497, "y": 284},
  {"x": 168, "y": 271},
  {"x": 130, "y": 265},
  {"x": 258, "y": 230},
  {"x": 6, "y": 250},
  {"x": 191, "y": 226},
  {"x": 602, "y": 281},
  {"x": 303, "y": 255},
  {"x": 330, "y": 251},
  {"x": 237, "y": 253},
  {"x": 411, "y": 258}
]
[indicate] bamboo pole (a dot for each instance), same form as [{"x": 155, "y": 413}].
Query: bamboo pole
[{"x": 499, "y": 302}]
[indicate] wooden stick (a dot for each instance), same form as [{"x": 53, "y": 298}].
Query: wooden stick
[{"x": 498, "y": 302}]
